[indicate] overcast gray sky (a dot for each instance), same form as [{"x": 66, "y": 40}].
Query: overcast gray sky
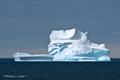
[{"x": 25, "y": 25}]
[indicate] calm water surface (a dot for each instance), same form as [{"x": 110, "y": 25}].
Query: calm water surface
[{"x": 10, "y": 70}]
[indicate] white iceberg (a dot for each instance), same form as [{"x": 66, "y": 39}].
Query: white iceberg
[
  {"x": 68, "y": 45},
  {"x": 73, "y": 45},
  {"x": 28, "y": 57}
]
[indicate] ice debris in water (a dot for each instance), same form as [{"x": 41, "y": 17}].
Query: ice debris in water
[{"x": 73, "y": 45}]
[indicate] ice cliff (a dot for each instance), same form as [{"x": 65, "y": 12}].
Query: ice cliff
[{"x": 73, "y": 45}]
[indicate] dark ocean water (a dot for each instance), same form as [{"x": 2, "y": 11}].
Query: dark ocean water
[{"x": 10, "y": 70}]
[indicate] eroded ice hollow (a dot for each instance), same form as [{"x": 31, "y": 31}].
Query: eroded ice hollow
[
  {"x": 73, "y": 45},
  {"x": 68, "y": 45}
]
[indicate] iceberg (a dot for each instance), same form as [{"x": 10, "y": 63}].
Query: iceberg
[
  {"x": 73, "y": 45},
  {"x": 28, "y": 57},
  {"x": 68, "y": 45}
]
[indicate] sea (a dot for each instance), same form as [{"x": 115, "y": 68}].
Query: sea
[{"x": 11, "y": 70}]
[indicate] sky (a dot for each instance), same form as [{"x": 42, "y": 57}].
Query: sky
[{"x": 25, "y": 25}]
